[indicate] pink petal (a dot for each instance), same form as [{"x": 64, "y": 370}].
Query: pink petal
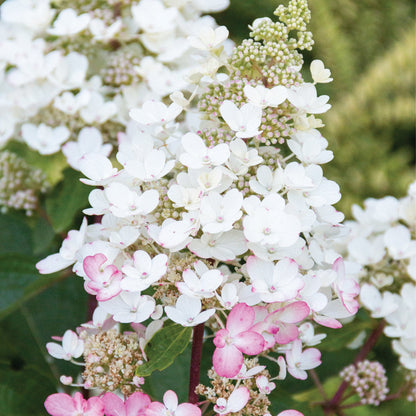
[
  {"x": 109, "y": 292},
  {"x": 155, "y": 409},
  {"x": 136, "y": 404},
  {"x": 95, "y": 407},
  {"x": 339, "y": 267},
  {"x": 249, "y": 342},
  {"x": 187, "y": 409},
  {"x": 240, "y": 319},
  {"x": 290, "y": 412},
  {"x": 92, "y": 265},
  {"x": 286, "y": 333},
  {"x": 327, "y": 321},
  {"x": 60, "y": 404},
  {"x": 220, "y": 338},
  {"x": 294, "y": 313},
  {"x": 227, "y": 361},
  {"x": 113, "y": 405}
]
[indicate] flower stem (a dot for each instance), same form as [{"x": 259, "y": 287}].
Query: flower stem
[
  {"x": 318, "y": 383},
  {"x": 334, "y": 404},
  {"x": 196, "y": 353}
]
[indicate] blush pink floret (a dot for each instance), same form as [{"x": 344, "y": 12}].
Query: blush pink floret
[
  {"x": 104, "y": 281},
  {"x": 234, "y": 340},
  {"x": 135, "y": 405},
  {"x": 61, "y": 404}
]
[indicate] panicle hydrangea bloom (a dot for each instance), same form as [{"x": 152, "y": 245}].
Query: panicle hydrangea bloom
[
  {"x": 220, "y": 215},
  {"x": 382, "y": 248},
  {"x": 70, "y": 71}
]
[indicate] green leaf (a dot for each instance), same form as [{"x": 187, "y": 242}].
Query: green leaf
[
  {"x": 66, "y": 201},
  {"x": 43, "y": 236},
  {"x": 15, "y": 235},
  {"x": 338, "y": 339},
  {"x": 16, "y": 273},
  {"x": 175, "y": 377},
  {"x": 20, "y": 281},
  {"x": 164, "y": 347},
  {"x": 27, "y": 374}
]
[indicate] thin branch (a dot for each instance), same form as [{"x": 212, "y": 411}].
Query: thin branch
[
  {"x": 196, "y": 354},
  {"x": 333, "y": 405},
  {"x": 318, "y": 384}
]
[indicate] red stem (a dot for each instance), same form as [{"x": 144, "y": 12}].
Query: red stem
[{"x": 196, "y": 354}]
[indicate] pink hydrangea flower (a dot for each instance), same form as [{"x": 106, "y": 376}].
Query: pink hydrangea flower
[
  {"x": 104, "y": 281},
  {"x": 170, "y": 407},
  {"x": 61, "y": 404},
  {"x": 281, "y": 323},
  {"x": 234, "y": 340},
  {"x": 135, "y": 405}
]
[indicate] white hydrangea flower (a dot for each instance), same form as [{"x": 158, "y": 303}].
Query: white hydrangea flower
[
  {"x": 319, "y": 73},
  {"x": 123, "y": 202},
  {"x": 203, "y": 286},
  {"x": 305, "y": 98},
  {"x": 187, "y": 311},
  {"x": 67, "y": 254},
  {"x": 274, "y": 282},
  {"x": 46, "y": 140},
  {"x": 267, "y": 182},
  {"x": 379, "y": 304},
  {"x": 129, "y": 307},
  {"x": 245, "y": 121},
  {"x": 242, "y": 157},
  {"x": 209, "y": 38},
  {"x": 268, "y": 223},
  {"x": 197, "y": 155},
  {"x": 89, "y": 141},
  {"x": 265, "y": 97},
  {"x": 398, "y": 242},
  {"x": 222, "y": 246},
  {"x": 72, "y": 347},
  {"x": 70, "y": 103},
  {"x": 97, "y": 110},
  {"x": 153, "y": 112},
  {"x": 144, "y": 272},
  {"x": 219, "y": 213},
  {"x": 69, "y": 23}
]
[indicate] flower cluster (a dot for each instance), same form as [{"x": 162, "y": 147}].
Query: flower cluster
[
  {"x": 368, "y": 380},
  {"x": 382, "y": 249},
  {"x": 20, "y": 184},
  {"x": 137, "y": 404},
  {"x": 72, "y": 70},
  {"x": 206, "y": 221}
]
